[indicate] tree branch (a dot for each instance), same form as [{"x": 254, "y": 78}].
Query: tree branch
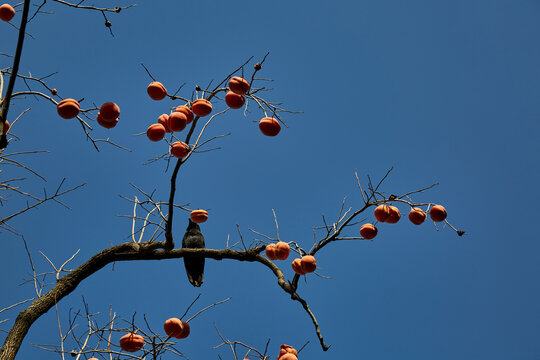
[
  {"x": 123, "y": 252},
  {"x": 6, "y": 100}
]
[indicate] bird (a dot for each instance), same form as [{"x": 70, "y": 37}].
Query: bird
[{"x": 193, "y": 238}]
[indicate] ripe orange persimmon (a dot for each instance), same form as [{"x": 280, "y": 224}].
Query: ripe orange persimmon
[
  {"x": 163, "y": 119},
  {"x": 187, "y": 111},
  {"x": 173, "y": 327},
  {"x": 417, "y": 216},
  {"x": 382, "y": 213},
  {"x": 156, "y": 91},
  {"x": 68, "y": 108},
  {"x": 131, "y": 342},
  {"x": 368, "y": 231},
  {"x": 177, "y": 121},
  {"x": 155, "y": 132},
  {"x": 437, "y": 213},
  {"x": 109, "y": 111},
  {"x": 234, "y": 100},
  {"x": 106, "y": 124},
  {"x": 394, "y": 215},
  {"x": 269, "y": 126},
  {"x": 199, "y": 216},
  {"x": 179, "y": 149},
  {"x": 7, "y": 12},
  {"x": 308, "y": 263},
  {"x": 282, "y": 250},
  {"x": 238, "y": 85},
  {"x": 201, "y": 107},
  {"x": 297, "y": 266},
  {"x": 271, "y": 251}
]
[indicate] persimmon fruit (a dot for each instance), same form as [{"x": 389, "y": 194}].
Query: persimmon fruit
[
  {"x": 156, "y": 90},
  {"x": 68, "y": 108},
  {"x": 7, "y": 12},
  {"x": 6, "y": 127},
  {"x": 176, "y": 328},
  {"x": 394, "y": 215},
  {"x": 308, "y": 263},
  {"x": 382, "y": 213},
  {"x": 179, "y": 149},
  {"x": 109, "y": 111},
  {"x": 368, "y": 231},
  {"x": 234, "y": 100},
  {"x": 437, "y": 213},
  {"x": 282, "y": 250},
  {"x": 239, "y": 85},
  {"x": 417, "y": 216},
  {"x": 201, "y": 107},
  {"x": 269, "y": 126},
  {"x": 177, "y": 121},
  {"x": 173, "y": 327},
  {"x": 155, "y": 132},
  {"x": 131, "y": 342},
  {"x": 199, "y": 216}
]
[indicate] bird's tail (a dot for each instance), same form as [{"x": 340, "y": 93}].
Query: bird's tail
[{"x": 197, "y": 282}]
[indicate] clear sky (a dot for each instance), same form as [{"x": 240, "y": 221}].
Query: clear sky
[{"x": 443, "y": 91}]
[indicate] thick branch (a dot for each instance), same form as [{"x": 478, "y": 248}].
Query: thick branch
[{"x": 122, "y": 252}]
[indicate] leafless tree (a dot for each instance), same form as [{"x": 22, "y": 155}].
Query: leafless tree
[{"x": 152, "y": 235}]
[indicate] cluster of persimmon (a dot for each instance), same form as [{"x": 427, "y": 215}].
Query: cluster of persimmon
[
  {"x": 306, "y": 264},
  {"x": 7, "y": 12},
  {"x": 278, "y": 251},
  {"x": 176, "y": 121},
  {"x": 107, "y": 116},
  {"x": 391, "y": 215},
  {"x": 281, "y": 250},
  {"x": 184, "y": 114}
]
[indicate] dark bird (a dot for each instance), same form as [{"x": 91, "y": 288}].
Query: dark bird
[{"x": 194, "y": 264}]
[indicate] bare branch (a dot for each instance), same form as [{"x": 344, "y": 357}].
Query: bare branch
[{"x": 208, "y": 307}]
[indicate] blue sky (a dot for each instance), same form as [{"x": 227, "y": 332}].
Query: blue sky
[{"x": 443, "y": 91}]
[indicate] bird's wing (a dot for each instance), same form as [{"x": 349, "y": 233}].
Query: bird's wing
[{"x": 194, "y": 264}]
